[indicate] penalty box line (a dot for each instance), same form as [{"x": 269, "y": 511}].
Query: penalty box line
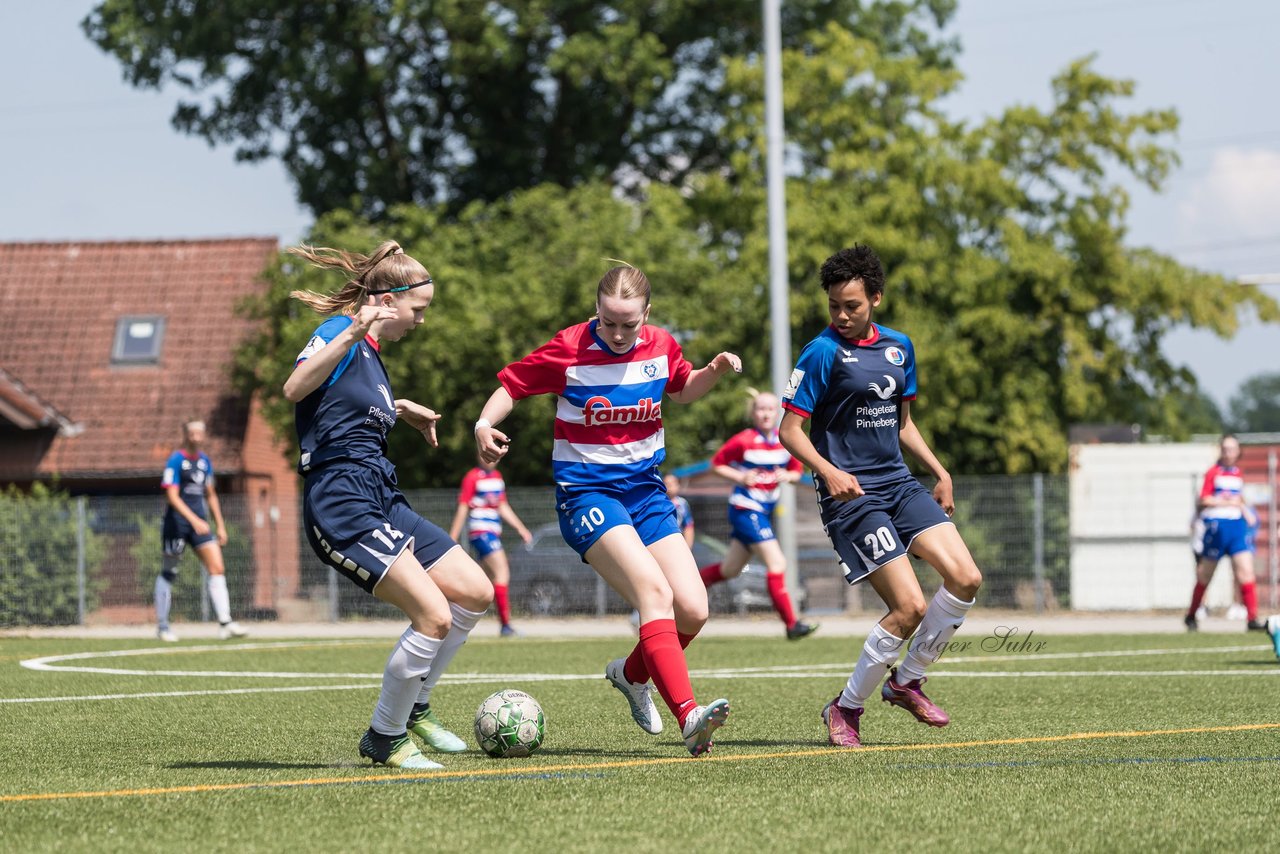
[{"x": 629, "y": 763}]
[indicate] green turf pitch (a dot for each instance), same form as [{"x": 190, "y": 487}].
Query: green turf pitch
[{"x": 207, "y": 772}]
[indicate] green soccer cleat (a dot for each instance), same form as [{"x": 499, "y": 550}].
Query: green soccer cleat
[
  {"x": 425, "y": 725},
  {"x": 395, "y": 751}
]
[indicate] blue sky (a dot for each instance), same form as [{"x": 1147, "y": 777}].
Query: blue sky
[{"x": 87, "y": 157}]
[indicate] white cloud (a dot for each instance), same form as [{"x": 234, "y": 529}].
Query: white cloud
[{"x": 1237, "y": 199}]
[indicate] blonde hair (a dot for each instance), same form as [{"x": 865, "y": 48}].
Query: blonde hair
[
  {"x": 624, "y": 282},
  {"x": 754, "y": 395},
  {"x": 387, "y": 267}
]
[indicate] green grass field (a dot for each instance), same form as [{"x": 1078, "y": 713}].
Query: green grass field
[{"x": 1102, "y": 743}]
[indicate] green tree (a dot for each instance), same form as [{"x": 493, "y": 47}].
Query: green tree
[
  {"x": 1003, "y": 240},
  {"x": 1255, "y": 407},
  {"x": 410, "y": 101}
]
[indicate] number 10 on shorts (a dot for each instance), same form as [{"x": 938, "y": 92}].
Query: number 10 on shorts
[{"x": 590, "y": 520}]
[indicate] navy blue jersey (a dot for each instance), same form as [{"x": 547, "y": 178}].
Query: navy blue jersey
[
  {"x": 190, "y": 475},
  {"x": 853, "y": 391},
  {"x": 348, "y": 416}
]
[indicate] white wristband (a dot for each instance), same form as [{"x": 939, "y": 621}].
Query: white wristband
[{"x": 482, "y": 422}]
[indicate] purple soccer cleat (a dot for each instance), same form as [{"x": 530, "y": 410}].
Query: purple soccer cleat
[
  {"x": 842, "y": 724},
  {"x": 911, "y": 698}
]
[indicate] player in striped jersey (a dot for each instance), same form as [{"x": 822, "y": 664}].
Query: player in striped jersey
[
  {"x": 1225, "y": 528},
  {"x": 757, "y": 465},
  {"x": 609, "y": 376},
  {"x": 482, "y": 505}
]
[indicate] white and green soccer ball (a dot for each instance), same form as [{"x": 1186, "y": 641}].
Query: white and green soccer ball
[{"x": 510, "y": 723}]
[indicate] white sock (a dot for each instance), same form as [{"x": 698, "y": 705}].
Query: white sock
[
  {"x": 463, "y": 622},
  {"x": 220, "y": 599},
  {"x": 940, "y": 622},
  {"x": 878, "y": 655},
  {"x": 408, "y": 665},
  {"x": 164, "y": 600}
]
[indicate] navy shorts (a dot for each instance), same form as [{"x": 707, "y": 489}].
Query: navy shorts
[
  {"x": 485, "y": 543},
  {"x": 586, "y": 514},
  {"x": 176, "y": 532},
  {"x": 358, "y": 522},
  {"x": 870, "y": 531},
  {"x": 750, "y": 526}
]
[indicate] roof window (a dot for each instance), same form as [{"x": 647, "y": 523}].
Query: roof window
[{"x": 138, "y": 340}]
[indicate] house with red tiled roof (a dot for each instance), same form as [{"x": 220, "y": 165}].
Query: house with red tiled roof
[{"x": 110, "y": 347}]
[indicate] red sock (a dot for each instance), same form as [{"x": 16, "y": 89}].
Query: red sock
[
  {"x": 781, "y": 599},
  {"x": 1249, "y": 596},
  {"x": 665, "y": 660},
  {"x": 636, "y": 671},
  {"x": 504, "y": 606},
  {"x": 1197, "y": 596},
  {"x": 711, "y": 574}
]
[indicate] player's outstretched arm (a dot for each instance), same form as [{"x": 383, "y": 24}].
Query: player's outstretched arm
[
  {"x": 508, "y": 514},
  {"x": 702, "y": 380}
]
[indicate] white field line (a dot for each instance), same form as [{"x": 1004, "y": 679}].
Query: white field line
[{"x": 802, "y": 671}]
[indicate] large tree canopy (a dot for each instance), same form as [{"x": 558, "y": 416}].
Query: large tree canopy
[
  {"x": 1004, "y": 241},
  {"x": 372, "y": 103},
  {"x": 1255, "y": 407}
]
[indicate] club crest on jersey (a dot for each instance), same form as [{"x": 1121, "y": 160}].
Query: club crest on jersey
[
  {"x": 895, "y": 356},
  {"x": 650, "y": 370},
  {"x": 600, "y": 410}
]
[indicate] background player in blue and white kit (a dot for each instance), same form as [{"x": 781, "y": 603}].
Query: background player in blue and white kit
[
  {"x": 609, "y": 375},
  {"x": 354, "y": 515},
  {"x": 854, "y": 383},
  {"x": 757, "y": 465},
  {"x": 189, "y": 490},
  {"x": 482, "y": 505}
]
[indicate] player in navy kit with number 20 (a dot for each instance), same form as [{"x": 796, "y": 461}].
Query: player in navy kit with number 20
[
  {"x": 854, "y": 383},
  {"x": 609, "y": 375},
  {"x": 356, "y": 519}
]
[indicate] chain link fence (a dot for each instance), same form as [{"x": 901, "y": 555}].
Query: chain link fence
[{"x": 94, "y": 559}]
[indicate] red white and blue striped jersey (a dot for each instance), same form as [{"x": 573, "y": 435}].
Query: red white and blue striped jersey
[
  {"x": 1222, "y": 482},
  {"x": 608, "y": 423},
  {"x": 752, "y": 450},
  {"x": 483, "y": 492}
]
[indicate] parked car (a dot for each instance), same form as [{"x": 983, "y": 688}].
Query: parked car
[{"x": 549, "y": 579}]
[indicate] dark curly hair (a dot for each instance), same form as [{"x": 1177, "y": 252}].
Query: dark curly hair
[{"x": 860, "y": 262}]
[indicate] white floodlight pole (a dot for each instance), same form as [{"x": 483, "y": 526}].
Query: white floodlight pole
[{"x": 779, "y": 304}]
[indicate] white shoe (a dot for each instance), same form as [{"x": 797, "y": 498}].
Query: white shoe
[
  {"x": 640, "y": 697},
  {"x": 166, "y": 635},
  {"x": 702, "y": 722},
  {"x": 231, "y": 630}
]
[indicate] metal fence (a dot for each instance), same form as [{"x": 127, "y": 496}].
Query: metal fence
[{"x": 93, "y": 560}]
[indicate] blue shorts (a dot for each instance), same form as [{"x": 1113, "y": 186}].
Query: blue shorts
[
  {"x": 358, "y": 522},
  {"x": 1218, "y": 538},
  {"x": 176, "y": 532},
  {"x": 585, "y": 515},
  {"x": 485, "y": 543},
  {"x": 750, "y": 526},
  {"x": 879, "y": 527}
]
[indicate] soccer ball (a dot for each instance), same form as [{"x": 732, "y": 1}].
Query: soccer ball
[{"x": 510, "y": 723}]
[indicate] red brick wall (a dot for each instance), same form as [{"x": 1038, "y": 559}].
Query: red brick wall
[{"x": 270, "y": 482}]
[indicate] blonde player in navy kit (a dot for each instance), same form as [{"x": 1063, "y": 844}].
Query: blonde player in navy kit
[
  {"x": 855, "y": 383},
  {"x": 188, "y": 488},
  {"x": 356, "y": 519}
]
